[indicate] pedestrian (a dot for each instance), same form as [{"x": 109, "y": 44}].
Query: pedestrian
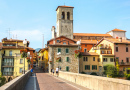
[
  {"x": 53, "y": 71},
  {"x": 31, "y": 71},
  {"x": 57, "y": 71}
]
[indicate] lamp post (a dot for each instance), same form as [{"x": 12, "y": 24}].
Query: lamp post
[
  {"x": 30, "y": 60},
  {"x": 24, "y": 42},
  {"x": 78, "y": 42}
]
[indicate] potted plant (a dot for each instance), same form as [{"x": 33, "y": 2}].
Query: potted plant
[
  {"x": 23, "y": 53},
  {"x": 58, "y": 59}
]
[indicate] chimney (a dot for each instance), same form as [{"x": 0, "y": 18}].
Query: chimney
[
  {"x": 120, "y": 39},
  {"x": 54, "y": 41},
  {"x": 53, "y": 32}
]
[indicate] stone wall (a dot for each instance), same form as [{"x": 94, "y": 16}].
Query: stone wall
[
  {"x": 96, "y": 82},
  {"x": 17, "y": 83},
  {"x": 73, "y": 62}
]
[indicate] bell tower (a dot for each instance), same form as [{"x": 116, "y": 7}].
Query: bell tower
[{"x": 65, "y": 21}]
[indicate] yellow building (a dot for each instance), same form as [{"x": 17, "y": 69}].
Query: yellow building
[
  {"x": 89, "y": 62},
  {"x": 11, "y": 62},
  {"x": 43, "y": 59}
]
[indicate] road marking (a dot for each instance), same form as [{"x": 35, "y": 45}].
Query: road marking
[
  {"x": 67, "y": 83},
  {"x": 35, "y": 82}
]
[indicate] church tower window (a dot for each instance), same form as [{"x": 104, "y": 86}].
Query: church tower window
[
  {"x": 63, "y": 15},
  {"x": 68, "y": 15}
]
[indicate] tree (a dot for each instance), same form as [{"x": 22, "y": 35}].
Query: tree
[{"x": 110, "y": 70}]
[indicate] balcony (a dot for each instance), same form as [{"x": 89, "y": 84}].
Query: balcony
[
  {"x": 124, "y": 63},
  {"x": 102, "y": 47},
  {"x": 7, "y": 73},
  {"x": 7, "y": 64}
]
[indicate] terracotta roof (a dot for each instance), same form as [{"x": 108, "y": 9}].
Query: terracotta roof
[
  {"x": 113, "y": 40},
  {"x": 29, "y": 48},
  {"x": 59, "y": 44},
  {"x": 12, "y": 40},
  {"x": 64, "y": 7},
  {"x": 0, "y": 45},
  {"x": 88, "y": 41},
  {"x": 60, "y": 37},
  {"x": 89, "y": 53},
  {"x": 91, "y": 34},
  {"x": 118, "y": 30}
]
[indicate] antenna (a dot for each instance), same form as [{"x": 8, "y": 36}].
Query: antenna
[
  {"x": 8, "y": 32},
  {"x": 43, "y": 42}
]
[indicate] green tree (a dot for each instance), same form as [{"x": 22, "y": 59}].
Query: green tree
[{"x": 110, "y": 70}]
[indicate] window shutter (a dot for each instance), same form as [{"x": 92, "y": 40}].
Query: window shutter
[
  {"x": 92, "y": 67},
  {"x": 89, "y": 67},
  {"x": 96, "y": 67},
  {"x": 59, "y": 49},
  {"x": 85, "y": 67},
  {"x": 67, "y": 50},
  {"x": 67, "y": 59}
]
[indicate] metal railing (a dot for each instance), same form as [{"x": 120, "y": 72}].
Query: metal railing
[
  {"x": 124, "y": 63},
  {"x": 8, "y": 73},
  {"x": 7, "y": 64}
]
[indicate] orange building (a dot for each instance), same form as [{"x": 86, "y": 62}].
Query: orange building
[{"x": 89, "y": 40}]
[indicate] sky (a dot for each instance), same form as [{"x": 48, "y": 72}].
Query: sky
[{"x": 31, "y": 19}]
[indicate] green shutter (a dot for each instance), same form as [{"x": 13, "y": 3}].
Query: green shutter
[
  {"x": 67, "y": 59},
  {"x": 67, "y": 68},
  {"x": 89, "y": 67},
  {"x": 96, "y": 67},
  {"x": 85, "y": 67},
  {"x": 59, "y": 49},
  {"x": 92, "y": 67},
  {"x": 67, "y": 50}
]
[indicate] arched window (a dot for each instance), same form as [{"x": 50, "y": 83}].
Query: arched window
[
  {"x": 63, "y": 15},
  {"x": 68, "y": 15}
]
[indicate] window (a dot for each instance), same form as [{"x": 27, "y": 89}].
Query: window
[
  {"x": 64, "y": 42},
  {"x": 86, "y": 58},
  {"x": 93, "y": 58},
  {"x": 67, "y": 59},
  {"x": 67, "y": 68},
  {"x": 117, "y": 59},
  {"x": 87, "y": 67},
  {"x": 21, "y": 61},
  {"x": 59, "y": 50},
  {"x": 58, "y": 41},
  {"x": 98, "y": 59},
  {"x": 85, "y": 50},
  {"x": 63, "y": 15},
  {"x": 116, "y": 49},
  {"x": 83, "y": 58},
  {"x": 127, "y": 50},
  {"x": 109, "y": 52},
  {"x": 85, "y": 45},
  {"x": 104, "y": 59},
  {"x": 10, "y": 53},
  {"x": 67, "y": 50},
  {"x": 111, "y": 59},
  {"x": 102, "y": 52},
  {"x": 68, "y": 15},
  {"x": 20, "y": 70},
  {"x": 127, "y": 60},
  {"x": 94, "y": 67}
]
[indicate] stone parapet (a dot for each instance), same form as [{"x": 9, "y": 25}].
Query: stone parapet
[
  {"x": 96, "y": 82},
  {"x": 17, "y": 83}
]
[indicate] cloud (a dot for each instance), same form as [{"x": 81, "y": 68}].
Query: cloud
[{"x": 31, "y": 35}]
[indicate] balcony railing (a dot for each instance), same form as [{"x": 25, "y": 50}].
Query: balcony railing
[
  {"x": 101, "y": 47},
  {"x": 7, "y": 64},
  {"x": 7, "y": 73},
  {"x": 124, "y": 63}
]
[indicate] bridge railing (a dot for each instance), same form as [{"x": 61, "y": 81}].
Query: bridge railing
[
  {"x": 96, "y": 82},
  {"x": 17, "y": 83}
]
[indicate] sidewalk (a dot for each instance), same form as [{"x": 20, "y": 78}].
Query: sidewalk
[{"x": 32, "y": 83}]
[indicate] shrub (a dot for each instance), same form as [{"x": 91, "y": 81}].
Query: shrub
[
  {"x": 83, "y": 73},
  {"x": 94, "y": 73}
]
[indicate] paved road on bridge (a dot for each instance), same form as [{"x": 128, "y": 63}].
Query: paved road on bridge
[{"x": 46, "y": 81}]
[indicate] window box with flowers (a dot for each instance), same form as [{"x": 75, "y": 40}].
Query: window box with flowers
[
  {"x": 77, "y": 54},
  {"x": 58, "y": 59},
  {"x": 39, "y": 57},
  {"x": 23, "y": 53},
  {"x": 28, "y": 59},
  {"x": 50, "y": 62}
]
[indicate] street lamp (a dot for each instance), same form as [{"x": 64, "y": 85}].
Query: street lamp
[
  {"x": 24, "y": 42},
  {"x": 78, "y": 43}
]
